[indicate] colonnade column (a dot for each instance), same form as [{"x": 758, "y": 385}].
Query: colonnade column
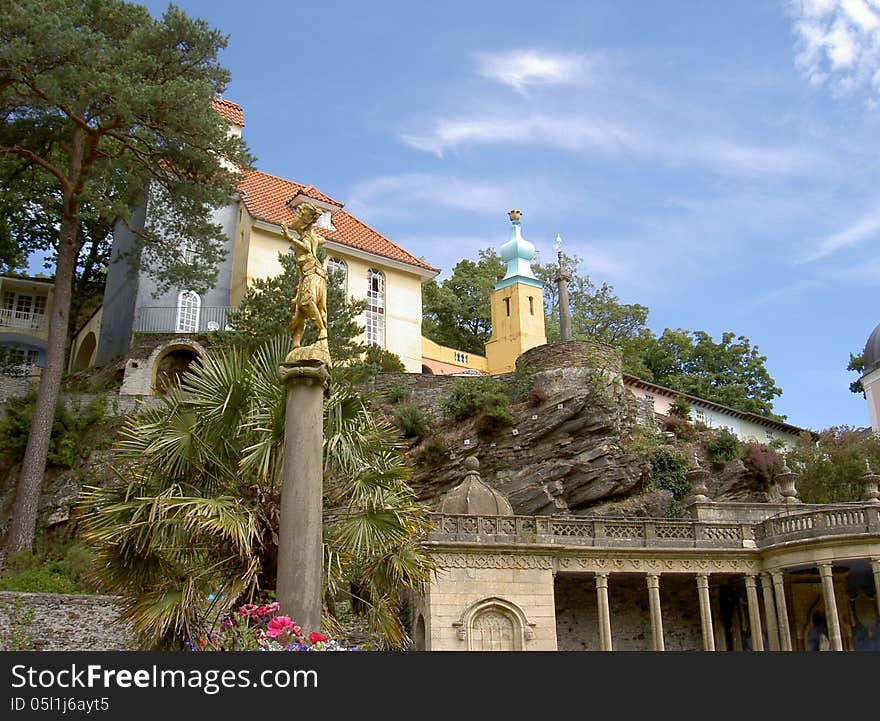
[
  {"x": 770, "y": 612},
  {"x": 875, "y": 567},
  {"x": 656, "y": 615},
  {"x": 754, "y": 613},
  {"x": 781, "y": 611},
  {"x": 705, "y": 612},
  {"x": 831, "y": 618},
  {"x": 604, "y": 612}
]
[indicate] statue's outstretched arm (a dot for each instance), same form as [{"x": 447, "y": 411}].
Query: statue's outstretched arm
[{"x": 296, "y": 241}]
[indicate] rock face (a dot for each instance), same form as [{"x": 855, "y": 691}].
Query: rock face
[{"x": 561, "y": 455}]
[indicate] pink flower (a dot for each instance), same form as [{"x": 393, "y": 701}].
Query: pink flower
[
  {"x": 317, "y": 637},
  {"x": 267, "y": 609},
  {"x": 278, "y": 626},
  {"x": 248, "y": 609}
]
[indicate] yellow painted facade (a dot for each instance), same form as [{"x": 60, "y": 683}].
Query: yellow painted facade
[
  {"x": 517, "y": 325},
  {"x": 255, "y": 255},
  {"x": 24, "y": 311},
  {"x": 466, "y": 361}
]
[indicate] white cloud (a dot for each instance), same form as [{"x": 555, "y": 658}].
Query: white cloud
[
  {"x": 860, "y": 230},
  {"x": 520, "y": 68},
  {"x": 838, "y": 42},
  {"x": 584, "y": 134},
  {"x": 411, "y": 193},
  {"x": 569, "y": 133}
]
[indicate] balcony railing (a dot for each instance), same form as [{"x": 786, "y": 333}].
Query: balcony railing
[
  {"x": 839, "y": 521},
  {"x": 165, "y": 320},
  {"x": 21, "y": 319},
  {"x": 582, "y": 532}
]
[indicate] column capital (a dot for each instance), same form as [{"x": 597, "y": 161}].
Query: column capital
[
  {"x": 824, "y": 566},
  {"x": 601, "y": 579},
  {"x": 653, "y": 580},
  {"x": 751, "y": 579}
]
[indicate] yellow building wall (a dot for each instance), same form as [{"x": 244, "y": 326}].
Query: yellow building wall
[
  {"x": 517, "y": 325},
  {"x": 21, "y": 326},
  {"x": 93, "y": 327},
  {"x": 443, "y": 353},
  {"x": 403, "y": 291}
]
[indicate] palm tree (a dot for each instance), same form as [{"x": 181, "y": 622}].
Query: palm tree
[{"x": 191, "y": 526}]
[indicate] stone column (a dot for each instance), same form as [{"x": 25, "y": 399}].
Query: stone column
[
  {"x": 562, "y": 279},
  {"x": 754, "y": 613},
  {"x": 875, "y": 567},
  {"x": 604, "y": 612},
  {"x": 656, "y": 615},
  {"x": 770, "y": 612},
  {"x": 300, "y": 554},
  {"x": 781, "y": 612},
  {"x": 705, "y": 612},
  {"x": 831, "y": 617}
]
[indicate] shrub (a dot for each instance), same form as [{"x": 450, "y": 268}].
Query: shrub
[
  {"x": 52, "y": 577},
  {"x": 412, "y": 421},
  {"x": 680, "y": 408},
  {"x": 383, "y": 361},
  {"x": 537, "y": 396},
  {"x": 68, "y": 429},
  {"x": 435, "y": 450},
  {"x": 471, "y": 397},
  {"x": 682, "y": 428},
  {"x": 723, "y": 446},
  {"x": 669, "y": 472},
  {"x": 397, "y": 393},
  {"x": 761, "y": 462}
]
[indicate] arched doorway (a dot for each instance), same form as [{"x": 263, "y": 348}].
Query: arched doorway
[
  {"x": 84, "y": 354},
  {"x": 170, "y": 367}
]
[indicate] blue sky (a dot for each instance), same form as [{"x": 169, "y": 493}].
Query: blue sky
[{"x": 715, "y": 161}]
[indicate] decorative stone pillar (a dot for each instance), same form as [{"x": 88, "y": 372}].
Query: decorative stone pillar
[
  {"x": 786, "y": 480},
  {"x": 656, "y": 615},
  {"x": 697, "y": 476},
  {"x": 604, "y": 612},
  {"x": 871, "y": 494},
  {"x": 754, "y": 613},
  {"x": 770, "y": 612},
  {"x": 705, "y": 612},
  {"x": 831, "y": 617},
  {"x": 562, "y": 279},
  {"x": 300, "y": 554},
  {"x": 781, "y": 611}
]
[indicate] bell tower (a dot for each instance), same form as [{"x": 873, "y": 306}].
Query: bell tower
[{"x": 517, "y": 304}]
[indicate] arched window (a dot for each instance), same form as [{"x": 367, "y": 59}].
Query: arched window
[
  {"x": 338, "y": 266},
  {"x": 375, "y": 308},
  {"x": 188, "y": 307}
]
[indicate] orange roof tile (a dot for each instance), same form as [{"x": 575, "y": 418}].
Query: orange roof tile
[
  {"x": 266, "y": 198},
  {"x": 229, "y": 111}
]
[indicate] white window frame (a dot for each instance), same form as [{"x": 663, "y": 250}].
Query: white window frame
[
  {"x": 375, "y": 312},
  {"x": 188, "y": 312},
  {"x": 339, "y": 265}
]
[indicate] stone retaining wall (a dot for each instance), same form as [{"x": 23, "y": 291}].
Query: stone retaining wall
[{"x": 62, "y": 622}]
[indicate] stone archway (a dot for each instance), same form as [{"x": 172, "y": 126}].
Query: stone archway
[
  {"x": 169, "y": 368},
  {"x": 495, "y": 624},
  {"x": 84, "y": 353},
  {"x": 143, "y": 373}
]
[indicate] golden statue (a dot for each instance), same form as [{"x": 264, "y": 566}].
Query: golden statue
[{"x": 310, "y": 301}]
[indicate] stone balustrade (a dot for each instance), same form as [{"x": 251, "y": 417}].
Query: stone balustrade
[
  {"x": 580, "y": 532},
  {"x": 840, "y": 520}
]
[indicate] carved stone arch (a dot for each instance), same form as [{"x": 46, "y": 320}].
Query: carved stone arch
[
  {"x": 189, "y": 348},
  {"x": 497, "y": 623}
]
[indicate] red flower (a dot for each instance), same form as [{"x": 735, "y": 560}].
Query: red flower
[
  {"x": 316, "y": 637},
  {"x": 248, "y": 609}
]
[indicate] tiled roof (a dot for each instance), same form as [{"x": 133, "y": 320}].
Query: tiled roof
[
  {"x": 266, "y": 198},
  {"x": 229, "y": 111},
  {"x": 753, "y": 417}
]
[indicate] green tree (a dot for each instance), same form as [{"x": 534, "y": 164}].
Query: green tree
[
  {"x": 831, "y": 470},
  {"x": 191, "y": 527},
  {"x": 104, "y": 106},
  {"x": 857, "y": 364},
  {"x": 456, "y": 311},
  {"x": 730, "y": 372}
]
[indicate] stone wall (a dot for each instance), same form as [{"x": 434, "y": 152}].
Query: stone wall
[
  {"x": 13, "y": 386},
  {"x": 577, "y": 622},
  {"x": 526, "y": 586},
  {"x": 573, "y": 354},
  {"x": 62, "y": 622}
]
